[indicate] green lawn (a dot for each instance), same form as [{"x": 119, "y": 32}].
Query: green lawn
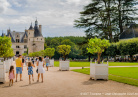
[
  {"x": 87, "y": 64},
  {"x": 128, "y": 75}
]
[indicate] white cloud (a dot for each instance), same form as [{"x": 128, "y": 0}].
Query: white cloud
[{"x": 3, "y": 6}]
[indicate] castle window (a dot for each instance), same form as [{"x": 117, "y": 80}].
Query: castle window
[
  {"x": 25, "y": 40},
  {"x": 25, "y": 46},
  {"x": 17, "y": 35},
  {"x": 17, "y": 47},
  {"x": 41, "y": 38},
  {"x": 37, "y": 38},
  {"x": 29, "y": 39},
  {"x": 17, "y": 41}
]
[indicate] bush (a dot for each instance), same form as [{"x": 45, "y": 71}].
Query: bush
[{"x": 128, "y": 47}]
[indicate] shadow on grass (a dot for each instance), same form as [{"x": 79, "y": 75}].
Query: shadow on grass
[
  {"x": 91, "y": 82},
  {"x": 30, "y": 84}
]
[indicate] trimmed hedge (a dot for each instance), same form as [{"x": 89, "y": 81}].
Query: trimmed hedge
[{"x": 123, "y": 47}]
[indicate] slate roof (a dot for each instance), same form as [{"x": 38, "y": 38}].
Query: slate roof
[
  {"x": 2, "y": 35},
  {"x": 37, "y": 32},
  {"x": 9, "y": 34},
  {"x": 31, "y": 27},
  {"x": 21, "y": 34},
  {"x": 131, "y": 32},
  {"x": 13, "y": 34},
  {"x": 25, "y": 34}
]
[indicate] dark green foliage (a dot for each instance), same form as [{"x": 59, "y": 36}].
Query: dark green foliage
[
  {"x": 128, "y": 47},
  {"x": 68, "y": 40},
  {"x": 106, "y": 18},
  {"x": 112, "y": 50}
]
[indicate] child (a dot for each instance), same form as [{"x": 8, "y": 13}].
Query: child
[
  {"x": 30, "y": 71},
  {"x": 11, "y": 75}
]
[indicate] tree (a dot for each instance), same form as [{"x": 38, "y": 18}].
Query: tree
[
  {"x": 64, "y": 50},
  {"x": 98, "y": 46},
  {"x": 67, "y": 42},
  {"x": 112, "y": 50},
  {"x": 54, "y": 43},
  {"x": 41, "y": 53},
  {"x": 84, "y": 51},
  {"x": 5, "y": 47},
  {"x": 124, "y": 11},
  {"x": 96, "y": 18},
  {"x": 101, "y": 18},
  {"x": 49, "y": 52}
]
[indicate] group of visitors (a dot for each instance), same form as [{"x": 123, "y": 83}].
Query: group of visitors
[{"x": 40, "y": 62}]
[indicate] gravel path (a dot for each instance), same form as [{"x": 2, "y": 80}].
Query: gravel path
[{"x": 66, "y": 84}]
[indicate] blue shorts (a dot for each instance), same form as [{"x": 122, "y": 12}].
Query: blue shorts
[
  {"x": 18, "y": 70},
  {"x": 47, "y": 64}
]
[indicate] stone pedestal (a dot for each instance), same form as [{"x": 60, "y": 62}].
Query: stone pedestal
[
  {"x": 51, "y": 61},
  {"x": 2, "y": 71},
  {"x": 64, "y": 65},
  {"x": 99, "y": 71}
]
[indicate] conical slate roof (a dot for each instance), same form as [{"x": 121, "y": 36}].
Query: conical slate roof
[
  {"x": 36, "y": 30},
  {"x": 31, "y": 27},
  {"x": 2, "y": 34},
  {"x": 9, "y": 34},
  {"x": 25, "y": 34}
]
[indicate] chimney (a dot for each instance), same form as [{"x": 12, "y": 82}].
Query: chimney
[{"x": 40, "y": 29}]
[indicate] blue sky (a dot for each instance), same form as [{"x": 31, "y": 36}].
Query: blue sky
[{"x": 56, "y": 16}]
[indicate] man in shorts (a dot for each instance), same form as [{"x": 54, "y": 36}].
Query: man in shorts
[{"x": 19, "y": 67}]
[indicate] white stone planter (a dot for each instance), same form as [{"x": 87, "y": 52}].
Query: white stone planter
[
  {"x": 2, "y": 71},
  {"x": 11, "y": 60},
  {"x": 7, "y": 64},
  {"x": 64, "y": 65},
  {"x": 51, "y": 61},
  {"x": 98, "y": 71}
]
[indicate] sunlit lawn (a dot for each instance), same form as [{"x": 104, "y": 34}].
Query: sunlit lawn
[
  {"x": 87, "y": 64},
  {"x": 128, "y": 75}
]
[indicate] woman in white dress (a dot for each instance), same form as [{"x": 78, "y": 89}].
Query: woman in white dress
[{"x": 41, "y": 70}]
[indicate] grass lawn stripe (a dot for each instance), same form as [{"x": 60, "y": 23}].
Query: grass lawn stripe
[
  {"x": 87, "y": 64},
  {"x": 125, "y": 75}
]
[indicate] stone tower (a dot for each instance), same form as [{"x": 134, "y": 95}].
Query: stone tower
[{"x": 35, "y": 38}]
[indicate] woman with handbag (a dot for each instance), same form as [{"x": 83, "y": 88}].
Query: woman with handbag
[{"x": 41, "y": 70}]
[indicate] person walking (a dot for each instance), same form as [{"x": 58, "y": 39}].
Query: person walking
[
  {"x": 41, "y": 70},
  {"x": 23, "y": 61},
  {"x": 19, "y": 67},
  {"x": 11, "y": 75},
  {"x": 30, "y": 71},
  {"x": 47, "y": 62}
]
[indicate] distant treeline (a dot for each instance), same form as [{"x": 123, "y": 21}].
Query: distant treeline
[{"x": 74, "y": 41}]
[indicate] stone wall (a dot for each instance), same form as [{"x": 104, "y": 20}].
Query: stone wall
[{"x": 21, "y": 48}]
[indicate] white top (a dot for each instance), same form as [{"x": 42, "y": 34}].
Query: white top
[{"x": 40, "y": 67}]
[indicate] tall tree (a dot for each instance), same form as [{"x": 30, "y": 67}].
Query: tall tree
[
  {"x": 124, "y": 12},
  {"x": 102, "y": 18}
]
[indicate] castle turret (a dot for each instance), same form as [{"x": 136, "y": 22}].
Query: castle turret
[{"x": 40, "y": 29}]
